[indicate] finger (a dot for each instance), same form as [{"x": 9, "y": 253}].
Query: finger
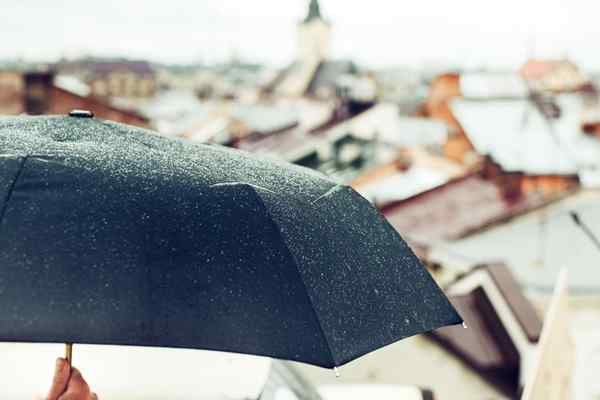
[
  {"x": 77, "y": 389},
  {"x": 60, "y": 380}
]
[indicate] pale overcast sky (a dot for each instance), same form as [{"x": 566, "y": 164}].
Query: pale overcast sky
[{"x": 374, "y": 32}]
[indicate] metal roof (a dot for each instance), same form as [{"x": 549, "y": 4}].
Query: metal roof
[{"x": 327, "y": 74}]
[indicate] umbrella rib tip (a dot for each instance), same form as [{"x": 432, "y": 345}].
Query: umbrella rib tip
[{"x": 336, "y": 371}]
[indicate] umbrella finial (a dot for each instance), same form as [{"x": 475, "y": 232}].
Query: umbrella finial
[
  {"x": 464, "y": 325},
  {"x": 336, "y": 371},
  {"x": 81, "y": 114}
]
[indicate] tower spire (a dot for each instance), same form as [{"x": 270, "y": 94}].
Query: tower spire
[{"x": 314, "y": 11}]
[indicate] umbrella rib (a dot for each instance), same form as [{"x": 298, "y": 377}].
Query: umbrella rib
[
  {"x": 328, "y": 193},
  {"x": 281, "y": 236},
  {"x": 10, "y": 190},
  {"x": 312, "y": 304}
]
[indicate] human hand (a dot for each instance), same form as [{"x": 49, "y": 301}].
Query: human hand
[{"x": 68, "y": 384}]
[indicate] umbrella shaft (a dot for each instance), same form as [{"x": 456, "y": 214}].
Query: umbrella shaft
[{"x": 69, "y": 353}]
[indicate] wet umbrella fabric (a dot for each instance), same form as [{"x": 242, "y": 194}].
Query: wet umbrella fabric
[{"x": 114, "y": 235}]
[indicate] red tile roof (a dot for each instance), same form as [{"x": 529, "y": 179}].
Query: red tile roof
[{"x": 455, "y": 209}]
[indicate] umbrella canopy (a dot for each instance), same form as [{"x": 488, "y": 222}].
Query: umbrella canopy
[{"x": 111, "y": 234}]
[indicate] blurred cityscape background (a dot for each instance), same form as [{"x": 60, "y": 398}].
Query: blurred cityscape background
[{"x": 473, "y": 127}]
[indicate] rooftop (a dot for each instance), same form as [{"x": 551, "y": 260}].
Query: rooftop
[
  {"x": 106, "y": 67},
  {"x": 265, "y": 119},
  {"x": 516, "y": 134},
  {"x": 537, "y": 245},
  {"x": 456, "y": 209},
  {"x": 290, "y": 145},
  {"x": 327, "y": 74},
  {"x": 492, "y": 85},
  {"x": 394, "y": 182},
  {"x": 384, "y": 122}
]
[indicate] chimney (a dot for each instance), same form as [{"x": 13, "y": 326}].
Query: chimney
[
  {"x": 509, "y": 184},
  {"x": 38, "y": 91}
]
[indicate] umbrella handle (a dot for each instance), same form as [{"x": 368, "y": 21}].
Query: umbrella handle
[{"x": 69, "y": 353}]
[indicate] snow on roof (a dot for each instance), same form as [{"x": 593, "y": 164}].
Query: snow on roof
[
  {"x": 402, "y": 185},
  {"x": 174, "y": 112},
  {"x": 388, "y": 184},
  {"x": 173, "y": 104},
  {"x": 72, "y": 84},
  {"x": 385, "y": 121},
  {"x": 492, "y": 85},
  {"x": 413, "y": 131},
  {"x": 518, "y": 137},
  {"x": 261, "y": 118},
  {"x": 538, "y": 245}
]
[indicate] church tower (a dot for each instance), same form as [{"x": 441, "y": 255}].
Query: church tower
[
  {"x": 313, "y": 36},
  {"x": 313, "y": 50}
]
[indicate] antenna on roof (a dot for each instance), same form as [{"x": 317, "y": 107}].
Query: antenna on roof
[
  {"x": 548, "y": 110},
  {"x": 577, "y": 220}
]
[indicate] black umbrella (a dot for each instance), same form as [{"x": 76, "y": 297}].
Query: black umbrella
[{"x": 114, "y": 235}]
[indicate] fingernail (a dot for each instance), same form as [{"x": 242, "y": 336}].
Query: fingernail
[{"x": 59, "y": 364}]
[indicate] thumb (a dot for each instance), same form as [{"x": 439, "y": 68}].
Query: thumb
[
  {"x": 77, "y": 389},
  {"x": 60, "y": 380}
]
